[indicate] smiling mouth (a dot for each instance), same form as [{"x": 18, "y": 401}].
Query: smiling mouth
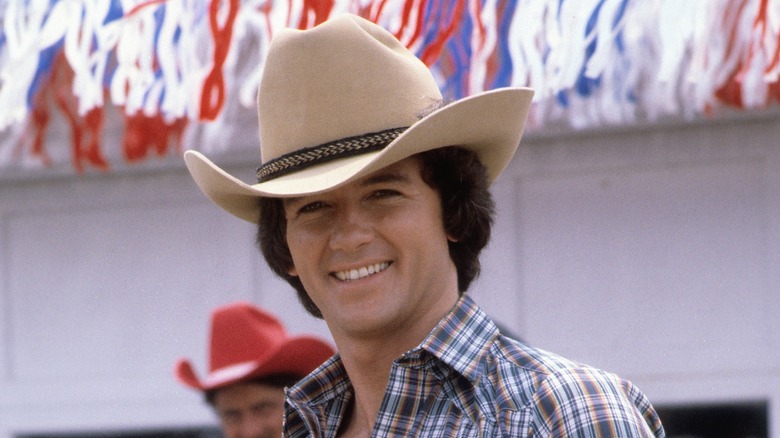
[{"x": 365, "y": 271}]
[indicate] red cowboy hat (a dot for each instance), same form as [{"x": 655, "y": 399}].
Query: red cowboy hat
[{"x": 247, "y": 342}]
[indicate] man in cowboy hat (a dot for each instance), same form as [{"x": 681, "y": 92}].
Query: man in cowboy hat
[
  {"x": 252, "y": 359},
  {"x": 373, "y": 202}
]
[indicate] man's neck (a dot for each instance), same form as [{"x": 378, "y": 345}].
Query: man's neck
[
  {"x": 368, "y": 362},
  {"x": 369, "y": 375}
]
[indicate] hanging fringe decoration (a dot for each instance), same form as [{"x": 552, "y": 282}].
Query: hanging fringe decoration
[{"x": 170, "y": 64}]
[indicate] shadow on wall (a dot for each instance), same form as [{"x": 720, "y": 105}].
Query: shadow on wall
[
  {"x": 204, "y": 432},
  {"x": 736, "y": 420},
  {"x": 726, "y": 420}
]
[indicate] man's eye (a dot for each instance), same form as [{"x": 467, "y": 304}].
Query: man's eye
[
  {"x": 384, "y": 193},
  {"x": 311, "y": 207},
  {"x": 230, "y": 417}
]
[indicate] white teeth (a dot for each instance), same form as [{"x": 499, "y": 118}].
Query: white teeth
[{"x": 365, "y": 271}]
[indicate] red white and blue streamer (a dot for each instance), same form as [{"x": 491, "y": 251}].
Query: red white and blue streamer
[{"x": 168, "y": 66}]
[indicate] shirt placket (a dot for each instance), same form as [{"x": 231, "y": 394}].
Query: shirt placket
[{"x": 411, "y": 393}]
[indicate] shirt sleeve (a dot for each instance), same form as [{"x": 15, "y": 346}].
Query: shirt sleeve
[{"x": 586, "y": 402}]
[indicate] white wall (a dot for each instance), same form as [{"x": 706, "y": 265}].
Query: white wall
[{"x": 653, "y": 252}]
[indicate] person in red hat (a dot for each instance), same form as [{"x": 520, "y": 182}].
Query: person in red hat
[{"x": 252, "y": 359}]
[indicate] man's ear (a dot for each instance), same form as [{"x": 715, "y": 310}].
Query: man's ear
[
  {"x": 451, "y": 238},
  {"x": 292, "y": 271}
]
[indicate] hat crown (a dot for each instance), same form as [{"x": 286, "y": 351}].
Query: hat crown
[
  {"x": 343, "y": 78},
  {"x": 242, "y": 333}
]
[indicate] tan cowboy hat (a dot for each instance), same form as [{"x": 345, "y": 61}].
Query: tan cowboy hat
[
  {"x": 344, "y": 99},
  {"x": 247, "y": 342}
]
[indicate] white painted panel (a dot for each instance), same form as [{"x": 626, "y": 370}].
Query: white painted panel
[
  {"x": 94, "y": 303},
  {"x": 105, "y": 284},
  {"x": 497, "y": 289},
  {"x": 653, "y": 269}
]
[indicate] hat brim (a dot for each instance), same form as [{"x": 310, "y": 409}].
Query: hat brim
[
  {"x": 298, "y": 356},
  {"x": 491, "y": 124}
]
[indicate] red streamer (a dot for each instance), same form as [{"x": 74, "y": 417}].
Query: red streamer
[
  {"x": 321, "y": 10},
  {"x": 731, "y": 92},
  {"x": 213, "y": 97},
  {"x": 85, "y": 129},
  {"x": 146, "y": 134},
  {"x": 446, "y": 29}
]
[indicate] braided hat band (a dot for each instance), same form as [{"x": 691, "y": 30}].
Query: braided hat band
[{"x": 345, "y": 147}]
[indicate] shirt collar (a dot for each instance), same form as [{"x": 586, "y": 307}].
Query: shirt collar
[
  {"x": 323, "y": 384},
  {"x": 462, "y": 339}
]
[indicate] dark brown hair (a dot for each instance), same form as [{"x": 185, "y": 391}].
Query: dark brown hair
[{"x": 467, "y": 208}]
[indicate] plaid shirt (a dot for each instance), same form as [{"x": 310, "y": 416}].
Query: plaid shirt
[{"x": 467, "y": 380}]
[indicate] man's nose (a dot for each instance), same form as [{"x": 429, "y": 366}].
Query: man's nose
[{"x": 352, "y": 228}]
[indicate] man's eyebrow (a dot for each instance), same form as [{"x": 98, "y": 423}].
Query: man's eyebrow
[
  {"x": 377, "y": 178},
  {"x": 385, "y": 177},
  {"x": 291, "y": 200},
  {"x": 229, "y": 411}
]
